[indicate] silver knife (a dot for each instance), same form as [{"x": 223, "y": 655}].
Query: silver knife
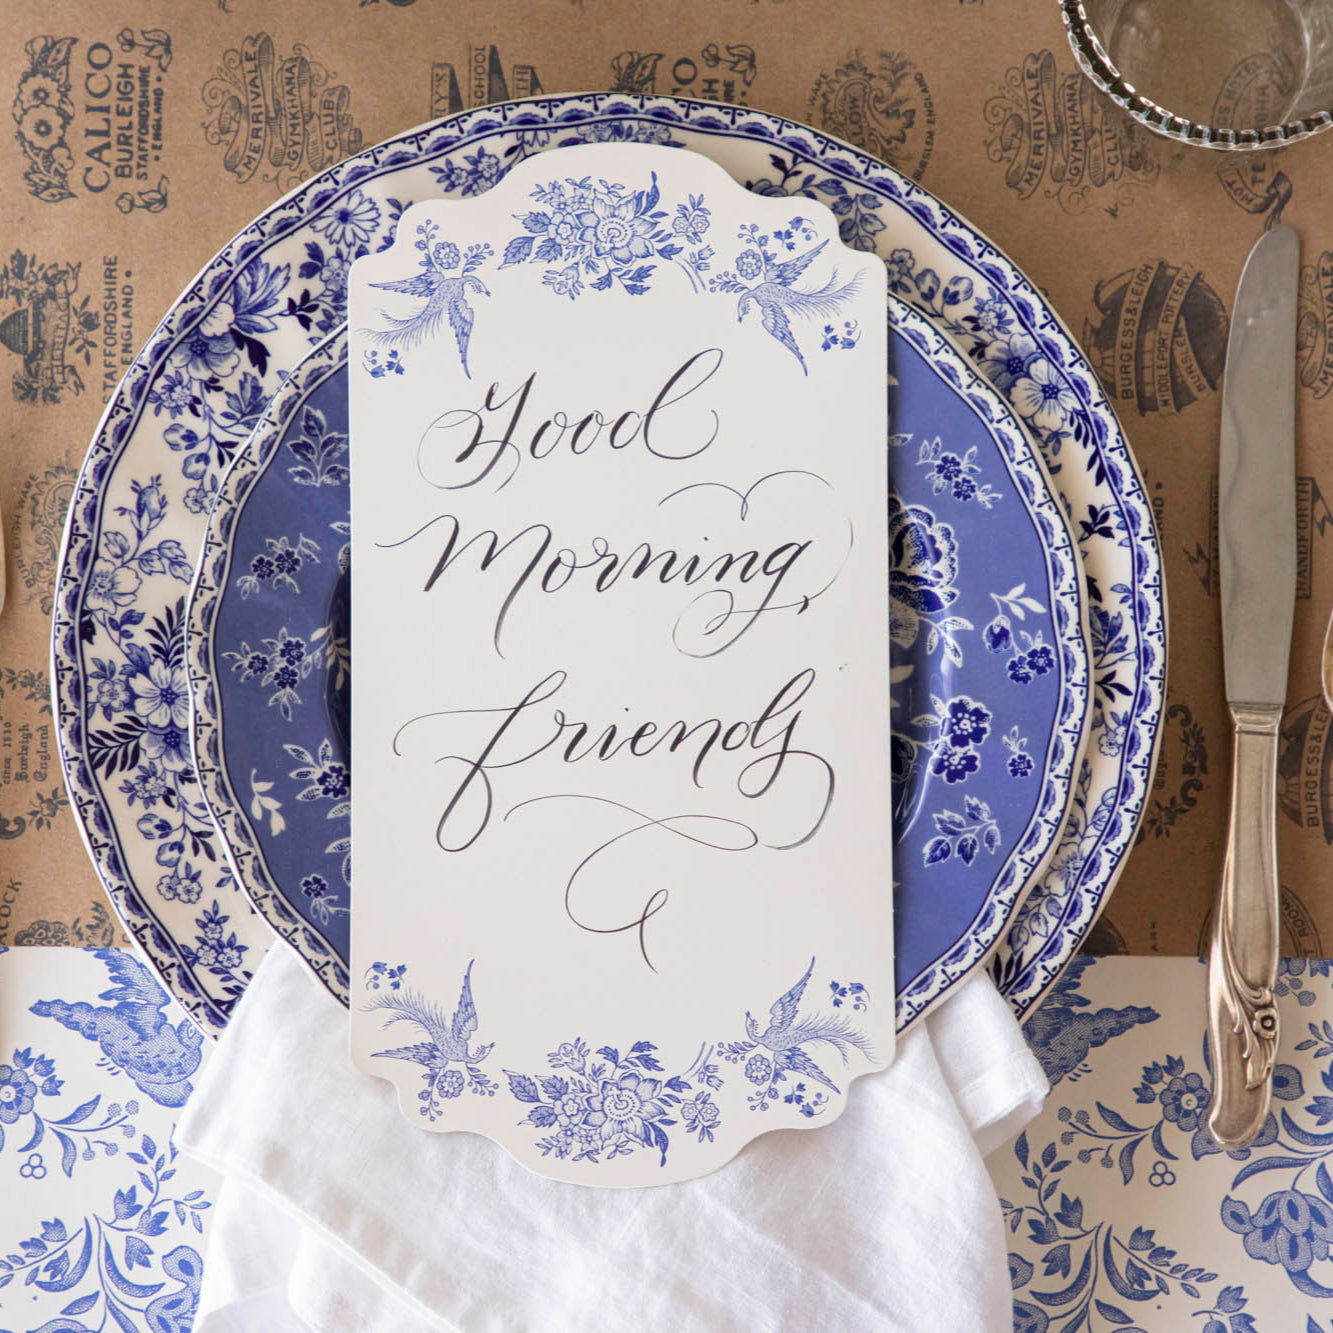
[{"x": 1256, "y": 491}]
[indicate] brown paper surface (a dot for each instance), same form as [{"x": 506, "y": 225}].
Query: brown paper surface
[{"x": 186, "y": 119}]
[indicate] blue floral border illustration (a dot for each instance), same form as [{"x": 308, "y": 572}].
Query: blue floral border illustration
[{"x": 594, "y": 1106}]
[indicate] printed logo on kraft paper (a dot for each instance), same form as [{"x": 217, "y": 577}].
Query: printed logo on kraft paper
[
  {"x": 1298, "y": 935},
  {"x": 1159, "y": 340},
  {"x": 36, "y": 528},
  {"x": 89, "y": 118},
  {"x": 1056, "y": 133},
  {"x": 31, "y": 793},
  {"x": 484, "y": 79},
  {"x": 1305, "y": 767},
  {"x": 1313, "y": 517},
  {"x": 1314, "y": 326},
  {"x": 716, "y": 72},
  {"x": 1256, "y": 92},
  {"x": 1182, "y": 767},
  {"x": 883, "y": 106},
  {"x": 47, "y": 325},
  {"x": 278, "y": 119}
]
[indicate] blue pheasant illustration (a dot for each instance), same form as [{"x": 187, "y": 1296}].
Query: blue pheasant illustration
[
  {"x": 785, "y": 1036},
  {"x": 449, "y": 1036},
  {"x": 133, "y": 1031},
  {"x": 777, "y": 298},
  {"x": 444, "y": 291},
  {"x": 1062, "y": 1038}
]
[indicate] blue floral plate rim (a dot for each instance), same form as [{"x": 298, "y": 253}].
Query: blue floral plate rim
[
  {"x": 1036, "y": 846},
  {"x": 1007, "y": 324},
  {"x": 242, "y": 844}
]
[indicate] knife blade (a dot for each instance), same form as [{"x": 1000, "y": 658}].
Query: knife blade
[{"x": 1257, "y": 575}]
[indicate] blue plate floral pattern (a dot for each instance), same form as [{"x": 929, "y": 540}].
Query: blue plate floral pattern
[
  {"x": 267, "y": 654},
  {"x": 200, "y": 385},
  {"x": 991, "y": 661},
  {"x": 991, "y": 677}
]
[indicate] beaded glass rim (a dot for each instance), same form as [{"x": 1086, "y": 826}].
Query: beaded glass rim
[{"x": 1100, "y": 68}]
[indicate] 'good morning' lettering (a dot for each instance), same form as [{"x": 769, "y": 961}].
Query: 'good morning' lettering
[{"x": 460, "y": 449}]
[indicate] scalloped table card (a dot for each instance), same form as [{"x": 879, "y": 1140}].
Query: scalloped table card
[{"x": 623, "y": 881}]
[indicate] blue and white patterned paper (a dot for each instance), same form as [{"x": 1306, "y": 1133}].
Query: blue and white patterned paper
[
  {"x": 1121, "y": 1212},
  {"x": 102, "y": 1224}
]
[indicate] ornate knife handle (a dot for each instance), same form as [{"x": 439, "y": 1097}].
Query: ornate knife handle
[{"x": 1242, "y": 964}]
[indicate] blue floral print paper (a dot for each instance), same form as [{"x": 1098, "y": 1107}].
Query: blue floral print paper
[
  {"x": 621, "y": 697},
  {"x": 199, "y": 388},
  {"x": 102, "y": 1224},
  {"x": 1121, "y": 1212}
]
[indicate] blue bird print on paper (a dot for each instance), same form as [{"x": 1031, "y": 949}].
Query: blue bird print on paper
[
  {"x": 446, "y": 279},
  {"x": 778, "y": 1055},
  {"x": 133, "y": 1032},
  {"x": 449, "y": 1044},
  {"x": 762, "y": 280},
  {"x": 1061, "y": 1037}
]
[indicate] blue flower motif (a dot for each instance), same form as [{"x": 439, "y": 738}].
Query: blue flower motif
[
  {"x": 1007, "y": 359},
  {"x": 181, "y": 885},
  {"x": 964, "y": 489},
  {"x": 966, "y": 722},
  {"x": 1041, "y": 659},
  {"x": 162, "y": 695},
  {"x": 1020, "y": 765},
  {"x": 256, "y": 300},
  {"x": 450, "y": 1083},
  {"x": 111, "y": 587},
  {"x": 110, "y": 687},
  {"x": 749, "y": 264},
  {"x": 899, "y": 266},
  {"x": 350, "y": 223},
  {"x": 949, "y": 466},
  {"x": 923, "y": 558},
  {"x": 701, "y": 1116},
  {"x": 954, "y": 765},
  {"x": 17, "y": 1094},
  {"x": 623, "y": 1104},
  {"x": 758, "y": 1069},
  {"x": 692, "y": 220},
  {"x": 1019, "y": 670},
  {"x": 169, "y": 745},
  {"x": 208, "y": 351},
  {"x": 291, "y": 651},
  {"x": 1184, "y": 1101},
  {"x": 1288, "y": 1228}
]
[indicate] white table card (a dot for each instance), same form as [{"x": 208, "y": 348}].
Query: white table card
[{"x": 621, "y": 688}]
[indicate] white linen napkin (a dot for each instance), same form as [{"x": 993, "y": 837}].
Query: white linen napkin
[{"x": 339, "y": 1217}]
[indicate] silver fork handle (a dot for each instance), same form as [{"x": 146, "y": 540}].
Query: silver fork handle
[{"x": 1242, "y": 964}]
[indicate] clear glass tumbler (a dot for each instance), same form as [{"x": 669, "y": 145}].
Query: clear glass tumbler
[{"x": 1222, "y": 74}]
